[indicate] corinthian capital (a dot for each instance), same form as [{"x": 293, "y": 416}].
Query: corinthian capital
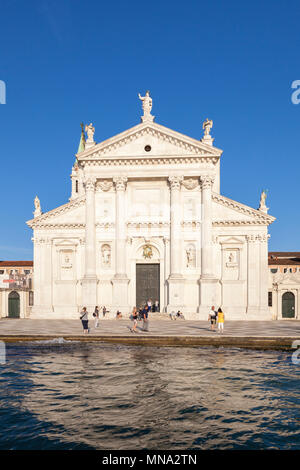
[
  {"x": 206, "y": 181},
  {"x": 120, "y": 182},
  {"x": 175, "y": 181},
  {"x": 90, "y": 184}
]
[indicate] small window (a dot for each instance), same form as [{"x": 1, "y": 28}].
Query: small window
[
  {"x": 270, "y": 298},
  {"x": 30, "y": 298},
  {"x": 274, "y": 270},
  {"x": 76, "y": 186},
  {"x": 26, "y": 271},
  {"x": 148, "y": 148},
  {"x": 1, "y": 271}
]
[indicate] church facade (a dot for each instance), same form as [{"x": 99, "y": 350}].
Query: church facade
[{"x": 146, "y": 220}]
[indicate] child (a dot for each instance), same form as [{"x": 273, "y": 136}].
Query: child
[{"x": 221, "y": 318}]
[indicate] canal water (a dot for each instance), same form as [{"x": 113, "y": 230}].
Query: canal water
[{"x": 68, "y": 395}]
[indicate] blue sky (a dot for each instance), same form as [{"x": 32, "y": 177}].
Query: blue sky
[{"x": 69, "y": 61}]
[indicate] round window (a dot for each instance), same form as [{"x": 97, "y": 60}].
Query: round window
[{"x": 148, "y": 148}]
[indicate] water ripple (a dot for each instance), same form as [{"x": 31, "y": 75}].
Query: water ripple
[{"x": 65, "y": 395}]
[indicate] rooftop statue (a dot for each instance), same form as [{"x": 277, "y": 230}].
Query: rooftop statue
[
  {"x": 207, "y": 125},
  {"x": 90, "y": 130},
  {"x": 262, "y": 203},
  {"x": 37, "y": 206},
  {"x": 147, "y": 106}
]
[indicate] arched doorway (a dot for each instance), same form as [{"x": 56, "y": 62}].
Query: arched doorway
[
  {"x": 288, "y": 305},
  {"x": 14, "y": 305}
]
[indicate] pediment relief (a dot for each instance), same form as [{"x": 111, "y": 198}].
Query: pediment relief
[{"x": 149, "y": 140}]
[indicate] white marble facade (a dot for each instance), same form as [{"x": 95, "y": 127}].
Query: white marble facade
[{"x": 150, "y": 195}]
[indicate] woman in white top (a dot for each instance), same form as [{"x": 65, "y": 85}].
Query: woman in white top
[{"x": 84, "y": 320}]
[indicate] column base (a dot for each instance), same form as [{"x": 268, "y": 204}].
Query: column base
[
  {"x": 41, "y": 311},
  {"x": 120, "y": 294},
  {"x": 209, "y": 287},
  {"x": 89, "y": 293},
  {"x": 258, "y": 313},
  {"x": 175, "y": 293}
]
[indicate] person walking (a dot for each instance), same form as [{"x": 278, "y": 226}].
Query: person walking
[
  {"x": 221, "y": 318},
  {"x": 156, "y": 306},
  {"x": 149, "y": 305},
  {"x": 96, "y": 316},
  {"x": 84, "y": 320},
  {"x": 135, "y": 320},
  {"x": 212, "y": 317}
]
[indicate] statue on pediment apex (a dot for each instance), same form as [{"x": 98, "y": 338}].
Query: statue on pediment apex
[{"x": 147, "y": 106}]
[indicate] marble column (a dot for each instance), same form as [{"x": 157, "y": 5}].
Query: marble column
[
  {"x": 207, "y": 282},
  {"x": 120, "y": 280},
  {"x": 175, "y": 280},
  {"x": 89, "y": 281}
]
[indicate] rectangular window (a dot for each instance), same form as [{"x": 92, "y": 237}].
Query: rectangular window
[
  {"x": 30, "y": 298},
  {"x": 270, "y": 299},
  {"x": 76, "y": 186}
]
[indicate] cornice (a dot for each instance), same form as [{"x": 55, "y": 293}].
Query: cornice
[
  {"x": 232, "y": 223},
  {"x": 146, "y": 160}
]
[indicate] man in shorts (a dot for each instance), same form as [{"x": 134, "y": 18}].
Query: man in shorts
[{"x": 212, "y": 317}]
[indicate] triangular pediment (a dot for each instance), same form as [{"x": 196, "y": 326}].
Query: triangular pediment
[
  {"x": 231, "y": 240},
  {"x": 161, "y": 140},
  {"x": 67, "y": 215},
  {"x": 229, "y": 212}
]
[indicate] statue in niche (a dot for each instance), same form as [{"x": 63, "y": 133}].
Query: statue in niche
[
  {"x": 231, "y": 259},
  {"x": 66, "y": 261},
  {"x": 190, "y": 258},
  {"x": 106, "y": 255}
]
